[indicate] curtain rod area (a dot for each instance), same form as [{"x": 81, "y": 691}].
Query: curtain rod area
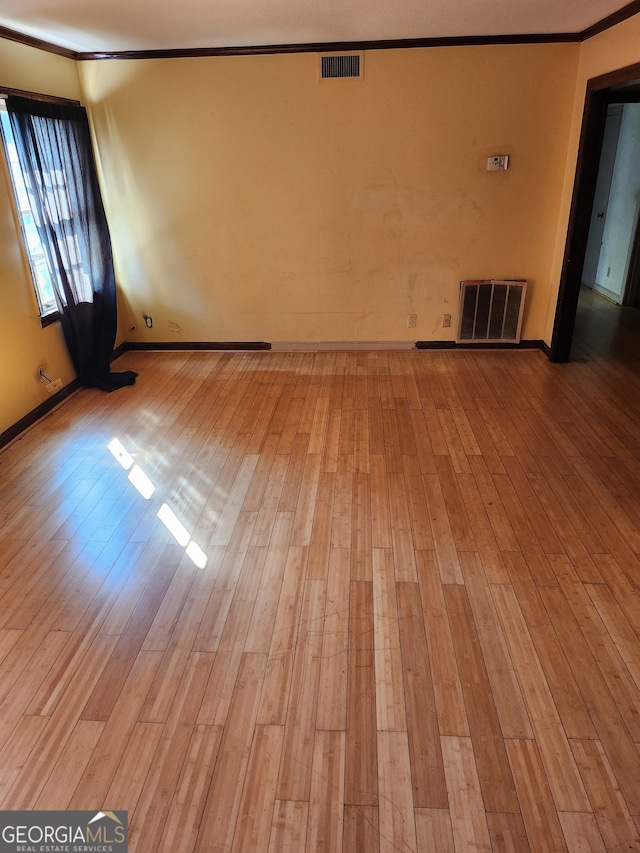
[{"x": 37, "y": 96}]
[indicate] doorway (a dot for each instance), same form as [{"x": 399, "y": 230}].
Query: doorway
[
  {"x": 599, "y": 213},
  {"x": 620, "y": 87},
  {"x": 614, "y": 217}
]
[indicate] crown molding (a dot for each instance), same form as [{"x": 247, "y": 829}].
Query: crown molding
[
  {"x": 31, "y": 41},
  {"x": 618, "y": 17},
  {"x": 335, "y": 47},
  {"x": 628, "y": 11}
]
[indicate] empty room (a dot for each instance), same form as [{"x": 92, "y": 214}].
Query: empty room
[{"x": 319, "y": 427}]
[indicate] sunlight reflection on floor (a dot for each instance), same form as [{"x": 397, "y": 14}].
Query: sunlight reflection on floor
[{"x": 167, "y": 516}]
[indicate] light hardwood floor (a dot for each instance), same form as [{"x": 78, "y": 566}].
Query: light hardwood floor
[{"x": 417, "y": 628}]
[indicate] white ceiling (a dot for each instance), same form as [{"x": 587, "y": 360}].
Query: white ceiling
[{"x": 117, "y": 25}]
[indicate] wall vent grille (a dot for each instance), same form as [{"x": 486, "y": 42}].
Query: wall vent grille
[
  {"x": 336, "y": 66},
  {"x": 491, "y": 311}
]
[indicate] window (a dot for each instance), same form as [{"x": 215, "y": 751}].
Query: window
[{"x": 35, "y": 249}]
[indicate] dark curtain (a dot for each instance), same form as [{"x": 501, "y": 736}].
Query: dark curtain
[{"x": 56, "y": 158}]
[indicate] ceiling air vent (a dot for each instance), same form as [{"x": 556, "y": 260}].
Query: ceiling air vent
[
  {"x": 335, "y": 66},
  {"x": 491, "y": 311}
]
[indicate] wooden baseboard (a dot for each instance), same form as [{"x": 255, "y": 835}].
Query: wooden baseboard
[
  {"x": 340, "y": 346},
  {"x": 319, "y": 346},
  {"x": 281, "y": 346},
  {"x": 35, "y": 414},
  {"x": 119, "y": 350},
  {"x": 194, "y": 345},
  {"x": 609, "y": 295},
  {"x": 478, "y": 345}
]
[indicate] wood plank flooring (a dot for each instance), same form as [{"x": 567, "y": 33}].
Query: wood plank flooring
[{"x": 393, "y": 606}]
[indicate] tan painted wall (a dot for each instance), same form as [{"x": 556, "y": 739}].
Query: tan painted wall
[
  {"x": 23, "y": 343},
  {"x": 616, "y": 48},
  {"x": 249, "y": 202}
]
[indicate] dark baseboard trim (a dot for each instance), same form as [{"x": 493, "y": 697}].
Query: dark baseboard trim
[
  {"x": 136, "y": 346},
  {"x": 142, "y": 346},
  {"x": 120, "y": 350},
  {"x": 37, "y": 413},
  {"x": 194, "y": 345},
  {"x": 40, "y": 411},
  {"x": 478, "y": 345}
]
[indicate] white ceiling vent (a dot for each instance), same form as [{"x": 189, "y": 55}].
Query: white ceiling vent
[
  {"x": 491, "y": 311},
  {"x": 340, "y": 66}
]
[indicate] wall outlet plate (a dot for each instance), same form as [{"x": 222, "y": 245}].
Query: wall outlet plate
[
  {"x": 53, "y": 386},
  {"x": 498, "y": 163}
]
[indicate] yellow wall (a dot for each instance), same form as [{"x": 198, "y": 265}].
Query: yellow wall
[
  {"x": 249, "y": 202},
  {"x": 613, "y": 49},
  {"x": 24, "y": 345}
]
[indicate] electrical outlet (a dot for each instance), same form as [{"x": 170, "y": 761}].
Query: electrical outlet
[
  {"x": 411, "y": 321},
  {"x": 148, "y": 321},
  {"x": 498, "y": 163},
  {"x": 446, "y": 321}
]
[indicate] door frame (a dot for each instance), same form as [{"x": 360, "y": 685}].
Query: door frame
[
  {"x": 632, "y": 287},
  {"x": 601, "y": 91}
]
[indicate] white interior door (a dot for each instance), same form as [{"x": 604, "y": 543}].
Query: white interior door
[{"x": 601, "y": 199}]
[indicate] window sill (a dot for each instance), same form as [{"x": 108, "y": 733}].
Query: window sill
[{"x": 49, "y": 319}]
